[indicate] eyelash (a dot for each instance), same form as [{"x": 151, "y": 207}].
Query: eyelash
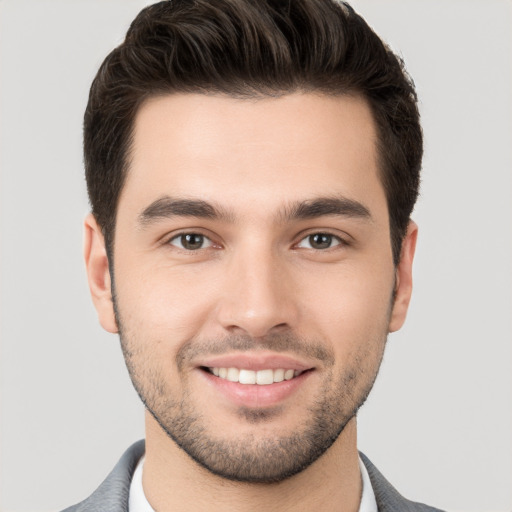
[
  {"x": 330, "y": 236},
  {"x": 308, "y": 238},
  {"x": 181, "y": 236}
]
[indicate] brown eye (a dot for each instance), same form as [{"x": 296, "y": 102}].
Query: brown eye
[
  {"x": 191, "y": 241},
  {"x": 319, "y": 241}
]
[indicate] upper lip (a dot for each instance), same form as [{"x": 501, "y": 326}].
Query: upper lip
[{"x": 255, "y": 361}]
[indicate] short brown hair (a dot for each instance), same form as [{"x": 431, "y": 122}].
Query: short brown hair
[{"x": 247, "y": 48}]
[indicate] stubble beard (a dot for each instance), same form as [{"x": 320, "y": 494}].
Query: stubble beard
[{"x": 248, "y": 458}]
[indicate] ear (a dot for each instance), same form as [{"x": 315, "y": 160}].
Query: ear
[
  {"x": 403, "y": 285},
  {"x": 98, "y": 273}
]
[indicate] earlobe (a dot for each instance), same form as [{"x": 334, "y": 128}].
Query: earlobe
[
  {"x": 403, "y": 287},
  {"x": 98, "y": 273}
]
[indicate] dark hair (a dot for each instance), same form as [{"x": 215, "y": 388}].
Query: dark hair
[{"x": 248, "y": 48}]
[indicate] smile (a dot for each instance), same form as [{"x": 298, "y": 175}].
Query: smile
[{"x": 260, "y": 377}]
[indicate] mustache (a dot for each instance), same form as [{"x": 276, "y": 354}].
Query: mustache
[{"x": 277, "y": 342}]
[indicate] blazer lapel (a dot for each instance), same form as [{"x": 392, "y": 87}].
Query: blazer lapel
[
  {"x": 387, "y": 497},
  {"x": 112, "y": 495}
]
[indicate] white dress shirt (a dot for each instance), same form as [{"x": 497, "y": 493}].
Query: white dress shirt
[{"x": 139, "y": 503}]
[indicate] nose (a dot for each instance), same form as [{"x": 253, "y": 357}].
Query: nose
[{"x": 258, "y": 296}]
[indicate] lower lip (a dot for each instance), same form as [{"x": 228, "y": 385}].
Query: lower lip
[{"x": 255, "y": 395}]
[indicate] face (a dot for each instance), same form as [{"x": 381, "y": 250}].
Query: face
[{"x": 254, "y": 280}]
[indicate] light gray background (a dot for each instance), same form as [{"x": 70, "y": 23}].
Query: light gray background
[{"x": 439, "y": 421}]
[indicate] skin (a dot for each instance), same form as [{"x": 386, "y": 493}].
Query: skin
[{"x": 257, "y": 278}]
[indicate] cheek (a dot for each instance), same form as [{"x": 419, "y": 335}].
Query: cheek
[
  {"x": 163, "y": 303},
  {"x": 350, "y": 306}
]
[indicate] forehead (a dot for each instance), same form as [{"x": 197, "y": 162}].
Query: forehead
[{"x": 253, "y": 151}]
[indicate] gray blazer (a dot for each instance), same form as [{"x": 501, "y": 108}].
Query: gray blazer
[{"x": 112, "y": 494}]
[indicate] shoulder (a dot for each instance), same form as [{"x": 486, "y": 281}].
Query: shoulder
[
  {"x": 112, "y": 495},
  {"x": 387, "y": 497}
]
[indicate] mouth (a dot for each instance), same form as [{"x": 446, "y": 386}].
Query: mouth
[
  {"x": 262, "y": 377},
  {"x": 254, "y": 380}
]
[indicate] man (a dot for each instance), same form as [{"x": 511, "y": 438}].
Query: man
[{"x": 252, "y": 168}]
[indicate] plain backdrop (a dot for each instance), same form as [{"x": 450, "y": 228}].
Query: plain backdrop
[{"x": 438, "y": 424}]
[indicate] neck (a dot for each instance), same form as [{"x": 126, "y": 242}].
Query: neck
[{"x": 172, "y": 481}]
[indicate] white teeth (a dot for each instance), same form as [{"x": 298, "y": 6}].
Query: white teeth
[
  {"x": 233, "y": 374},
  {"x": 247, "y": 377},
  {"x": 261, "y": 377},
  {"x": 289, "y": 374},
  {"x": 265, "y": 377},
  {"x": 279, "y": 375}
]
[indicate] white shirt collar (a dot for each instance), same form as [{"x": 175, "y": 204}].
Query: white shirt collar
[
  {"x": 139, "y": 503},
  {"x": 368, "y": 503}
]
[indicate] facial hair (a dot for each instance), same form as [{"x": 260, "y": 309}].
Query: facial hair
[{"x": 253, "y": 457}]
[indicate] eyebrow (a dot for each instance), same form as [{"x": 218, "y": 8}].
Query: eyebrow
[
  {"x": 167, "y": 207},
  {"x": 326, "y": 206}
]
